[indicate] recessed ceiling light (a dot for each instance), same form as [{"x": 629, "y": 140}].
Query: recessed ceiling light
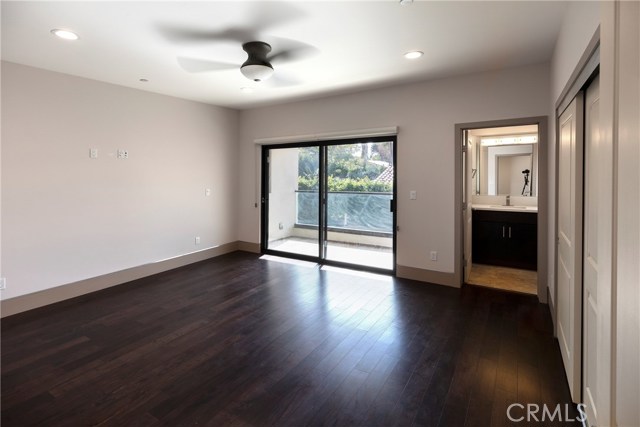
[
  {"x": 246, "y": 90},
  {"x": 65, "y": 34},
  {"x": 405, "y": 2},
  {"x": 413, "y": 54},
  {"x": 144, "y": 80}
]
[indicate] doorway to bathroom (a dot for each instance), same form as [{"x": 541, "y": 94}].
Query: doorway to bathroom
[
  {"x": 331, "y": 202},
  {"x": 500, "y": 231}
]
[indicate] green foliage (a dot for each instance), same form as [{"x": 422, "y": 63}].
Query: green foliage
[
  {"x": 308, "y": 158},
  {"x": 308, "y": 183},
  {"x": 349, "y": 167},
  {"x": 346, "y": 184},
  {"x": 351, "y": 161}
]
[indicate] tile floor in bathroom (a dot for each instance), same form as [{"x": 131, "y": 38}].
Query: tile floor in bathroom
[{"x": 511, "y": 279}]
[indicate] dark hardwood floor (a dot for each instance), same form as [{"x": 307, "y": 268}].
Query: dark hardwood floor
[{"x": 241, "y": 341}]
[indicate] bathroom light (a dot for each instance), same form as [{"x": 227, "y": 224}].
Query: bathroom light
[
  {"x": 509, "y": 140},
  {"x": 65, "y": 34},
  {"x": 413, "y": 54}
]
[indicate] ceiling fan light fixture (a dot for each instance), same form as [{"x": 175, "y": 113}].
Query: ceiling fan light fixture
[
  {"x": 256, "y": 72},
  {"x": 257, "y": 66}
]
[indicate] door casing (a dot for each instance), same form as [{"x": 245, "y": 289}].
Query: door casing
[{"x": 541, "y": 121}]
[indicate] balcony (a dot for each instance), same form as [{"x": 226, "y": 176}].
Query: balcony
[{"x": 359, "y": 227}]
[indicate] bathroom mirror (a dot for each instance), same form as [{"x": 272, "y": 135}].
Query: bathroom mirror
[{"x": 502, "y": 168}]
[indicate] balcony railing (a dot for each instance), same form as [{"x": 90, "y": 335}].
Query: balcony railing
[{"x": 347, "y": 210}]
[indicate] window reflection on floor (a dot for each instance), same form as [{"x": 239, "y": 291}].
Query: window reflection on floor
[{"x": 359, "y": 254}]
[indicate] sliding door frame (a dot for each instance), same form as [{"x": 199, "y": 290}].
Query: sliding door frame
[{"x": 322, "y": 205}]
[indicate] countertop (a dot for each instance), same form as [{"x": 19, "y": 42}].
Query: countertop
[{"x": 529, "y": 209}]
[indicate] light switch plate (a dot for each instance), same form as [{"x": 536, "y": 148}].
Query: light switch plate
[{"x": 413, "y": 195}]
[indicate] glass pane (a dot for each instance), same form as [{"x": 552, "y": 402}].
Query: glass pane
[
  {"x": 359, "y": 195},
  {"x": 293, "y": 200}
]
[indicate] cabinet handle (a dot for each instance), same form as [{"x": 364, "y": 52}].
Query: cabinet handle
[
  {"x": 503, "y": 231},
  {"x": 509, "y": 232}
]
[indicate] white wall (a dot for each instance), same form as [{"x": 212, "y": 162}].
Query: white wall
[
  {"x": 66, "y": 217},
  {"x": 425, "y": 114},
  {"x": 282, "y": 194},
  {"x": 580, "y": 23},
  {"x": 578, "y": 26}
]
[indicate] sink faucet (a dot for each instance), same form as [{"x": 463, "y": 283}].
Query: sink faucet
[{"x": 508, "y": 200}]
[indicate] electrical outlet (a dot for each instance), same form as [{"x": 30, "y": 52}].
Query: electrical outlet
[
  {"x": 123, "y": 154},
  {"x": 3, "y": 283},
  {"x": 413, "y": 195},
  {"x": 93, "y": 153},
  {"x": 280, "y": 226},
  {"x": 197, "y": 240},
  {"x": 434, "y": 255}
]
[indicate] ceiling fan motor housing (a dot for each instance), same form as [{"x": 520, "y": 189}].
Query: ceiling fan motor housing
[{"x": 257, "y": 67}]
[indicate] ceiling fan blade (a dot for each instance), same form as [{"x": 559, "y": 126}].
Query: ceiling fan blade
[
  {"x": 185, "y": 35},
  {"x": 262, "y": 17},
  {"x": 268, "y": 14},
  {"x": 292, "y": 50},
  {"x": 280, "y": 79},
  {"x": 194, "y": 65}
]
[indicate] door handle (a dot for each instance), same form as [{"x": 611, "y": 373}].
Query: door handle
[
  {"x": 503, "y": 231},
  {"x": 509, "y": 232},
  {"x": 391, "y": 206}
]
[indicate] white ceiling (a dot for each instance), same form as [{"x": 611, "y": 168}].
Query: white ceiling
[{"x": 357, "y": 44}]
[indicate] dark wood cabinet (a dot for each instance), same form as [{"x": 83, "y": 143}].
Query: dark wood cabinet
[{"x": 508, "y": 239}]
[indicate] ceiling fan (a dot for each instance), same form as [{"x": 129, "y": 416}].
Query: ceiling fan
[{"x": 259, "y": 65}]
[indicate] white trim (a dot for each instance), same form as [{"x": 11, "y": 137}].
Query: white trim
[{"x": 324, "y": 136}]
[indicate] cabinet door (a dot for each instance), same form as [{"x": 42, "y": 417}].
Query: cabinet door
[
  {"x": 522, "y": 243},
  {"x": 488, "y": 243}
]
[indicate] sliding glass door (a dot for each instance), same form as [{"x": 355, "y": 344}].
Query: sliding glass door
[
  {"x": 293, "y": 197},
  {"x": 331, "y": 202},
  {"x": 359, "y": 208}
]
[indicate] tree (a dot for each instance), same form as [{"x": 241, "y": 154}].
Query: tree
[{"x": 349, "y": 167}]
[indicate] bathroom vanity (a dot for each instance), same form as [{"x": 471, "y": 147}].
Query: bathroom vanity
[{"x": 505, "y": 236}]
